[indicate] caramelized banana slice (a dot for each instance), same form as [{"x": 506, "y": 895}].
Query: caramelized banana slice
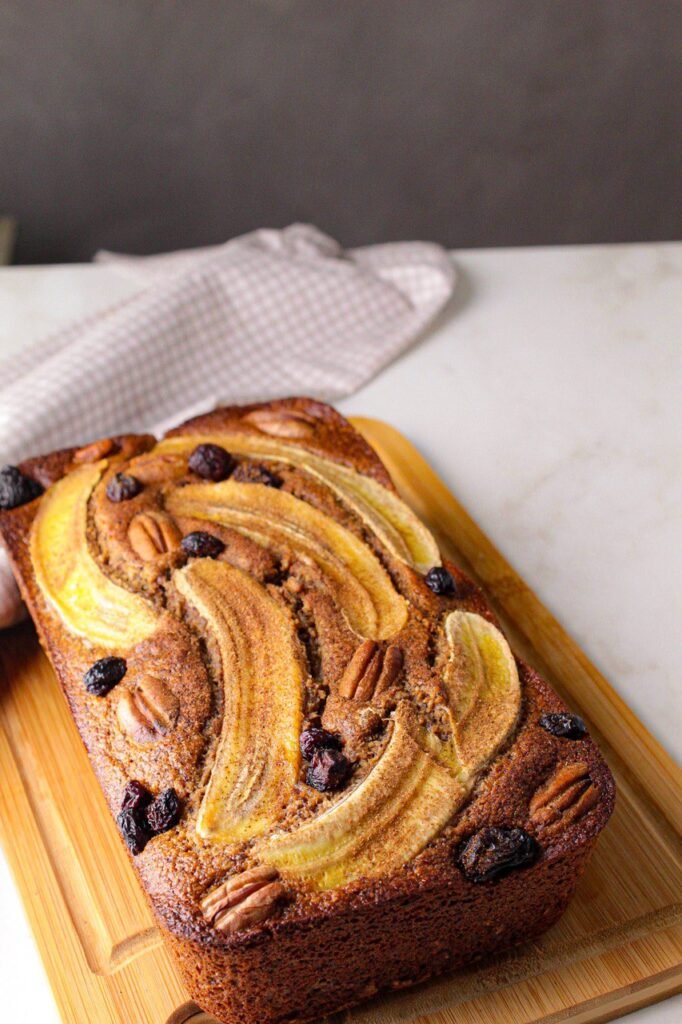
[
  {"x": 359, "y": 582},
  {"x": 419, "y": 782},
  {"x": 87, "y": 601},
  {"x": 396, "y": 810},
  {"x": 389, "y": 518},
  {"x": 387, "y": 515},
  {"x": 257, "y": 761},
  {"x": 483, "y": 689}
]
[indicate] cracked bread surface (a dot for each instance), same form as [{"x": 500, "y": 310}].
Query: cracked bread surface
[{"x": 439, "y": 724}]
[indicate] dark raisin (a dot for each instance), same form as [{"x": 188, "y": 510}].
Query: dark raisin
[
  {"x": 564, "y": 725},
  {"x": 103, "y": 675},
  {"x": 202, "y": 545},
  {"x": 211, "y": 462},
  {"x": 136, "y": 798},
  {"x": 132, "y": 830},
  {"x": 493, "y": 851},
  {"x": 440, "y": 581},
  {"x": 329, "y": 770},
  {"x": 315, "y": 739},
  {"x": 123, "y": 487},
  {"x": 256, "y": 473},
  {"x": 164, "y": 812},
  {"x": 17, "y": 489}
]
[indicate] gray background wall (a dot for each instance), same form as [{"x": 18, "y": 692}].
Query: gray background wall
[{"x": 143, "y": 125}]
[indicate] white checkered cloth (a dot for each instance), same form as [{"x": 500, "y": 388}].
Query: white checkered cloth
[{"x": 268, "y": 314}]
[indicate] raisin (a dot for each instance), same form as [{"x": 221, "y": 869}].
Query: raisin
[
  {"x": 123, "y": 487},
  {"x": 493, "y": 851},
  {"x": 440, "y": 581},
  {"x": 256, "y": 473},
  {"x": 564, "y": 725},
  {"x": 136, "y": 798},
  {"x": 315, "y": 739},
  {"x": 329, "y": 770},
  {"x": 16, "y": 488},
  {"x": 164, "y": 812},
  {"x": 211, "y": 462},
  {"x": 202, "y": 545},
  {"x": 132, "y": 830},
  {"x": 103, "y": 675}
]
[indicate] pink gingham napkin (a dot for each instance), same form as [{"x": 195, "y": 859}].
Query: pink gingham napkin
[{"x": 265, "y": 315}]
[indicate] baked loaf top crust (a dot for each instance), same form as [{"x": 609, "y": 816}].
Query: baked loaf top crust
[{"x": 313, "y": 709}]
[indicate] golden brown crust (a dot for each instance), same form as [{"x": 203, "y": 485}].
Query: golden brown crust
[
  {"x": 360, "y": 951},
  {"x": 161, "y": 726},
  {"x": 333, "y": 435}
]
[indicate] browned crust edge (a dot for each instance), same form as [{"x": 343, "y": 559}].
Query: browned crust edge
[{"x": 421, "y": 921}]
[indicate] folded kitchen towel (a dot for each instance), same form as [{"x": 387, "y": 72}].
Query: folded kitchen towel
[{"x": 268, "y": 314}]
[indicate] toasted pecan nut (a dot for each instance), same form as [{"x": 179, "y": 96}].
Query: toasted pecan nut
[
  {"x": 370, "y": 671},
  {"x": 357, "y": 667},
  {"x": 282, "y": 422},
  {"x": 244, "y": 900},
  {"x": 565, "y": 797},
  {"x": 391, "y": 668},
  {"x": 152, "y": 534},
  {"x": 254, "y": 909},
  {"x": 367, "y": 683},
  {"x": 147, "y": 711},
  {"x": 95, "y": 451},
  {"x": 236, "y": 888}
]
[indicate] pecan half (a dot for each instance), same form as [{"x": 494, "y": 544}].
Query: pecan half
[
  {"x": 244, "y": 900},
  {"x": 282, "y": 422},
  {"x": 95, "y": 451},
  {"x": 370, "y": 671},
  {"x": 147, "y": 711},
  {"x": 152, "y": 534},
  {"x": 565, "y": 797}
]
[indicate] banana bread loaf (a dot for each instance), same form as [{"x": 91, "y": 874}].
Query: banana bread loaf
[{"x": 332, "y": 775}]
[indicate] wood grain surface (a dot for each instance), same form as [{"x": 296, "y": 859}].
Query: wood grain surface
[{"x": 617, "y": 948}]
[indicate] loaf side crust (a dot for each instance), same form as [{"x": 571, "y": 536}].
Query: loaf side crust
[{"x": 324, "y": 951}]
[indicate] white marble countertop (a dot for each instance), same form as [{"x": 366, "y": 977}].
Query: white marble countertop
[{"x": 550, "y": 400}]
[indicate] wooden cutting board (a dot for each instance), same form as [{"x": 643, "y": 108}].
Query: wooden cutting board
[{"x": 618, "y": 947}]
